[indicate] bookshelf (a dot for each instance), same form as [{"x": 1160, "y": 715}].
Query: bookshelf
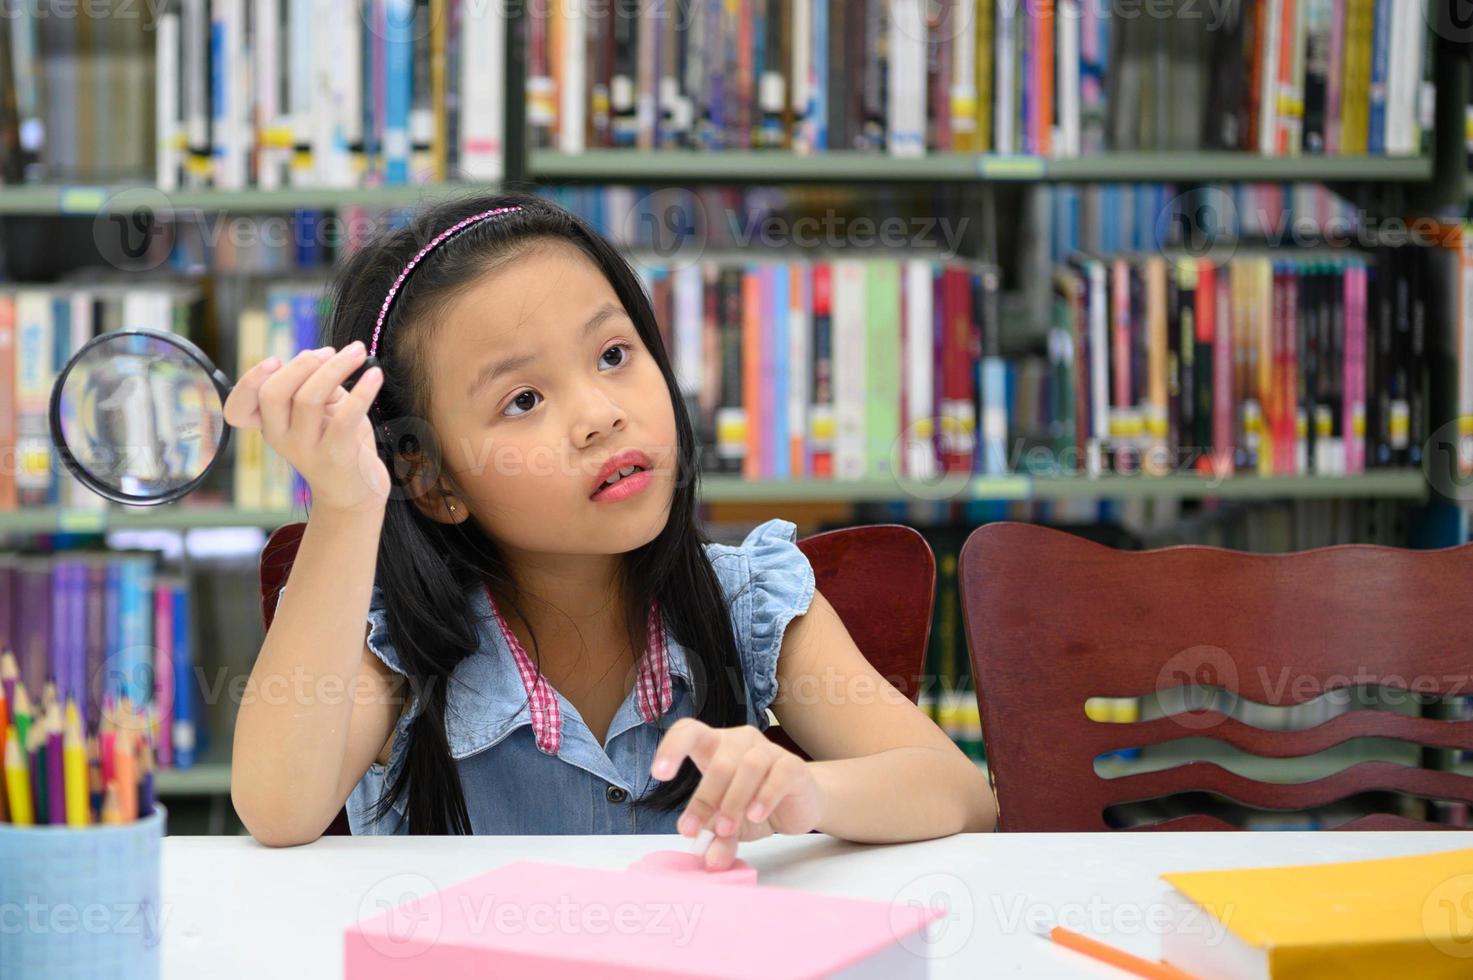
[
  {"x": 1407, "y": 485},
  {"x": 82, "y": 199},
  {"x": 633, "y": 166}
]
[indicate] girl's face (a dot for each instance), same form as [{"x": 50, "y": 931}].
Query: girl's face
[{"x": 539, "y": 380}]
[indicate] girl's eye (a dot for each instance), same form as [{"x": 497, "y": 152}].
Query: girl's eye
[
  {"x": 623, "y": 351},
  {"x": 523, "y": 402}
]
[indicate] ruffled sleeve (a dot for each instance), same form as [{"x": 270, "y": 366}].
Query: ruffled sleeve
[
  {"x": 376, "y": 780},
  {"x": 768, "y": 582}
]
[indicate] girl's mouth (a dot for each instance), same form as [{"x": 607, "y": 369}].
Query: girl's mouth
[
  {"x": 623, "y": 483},
  {"x": 619, "y": 469}
]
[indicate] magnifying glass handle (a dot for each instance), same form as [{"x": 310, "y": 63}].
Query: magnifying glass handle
[{"x": 352, "y": 379}]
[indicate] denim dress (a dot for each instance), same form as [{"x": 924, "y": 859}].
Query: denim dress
[{"x": 516, "y": 782}]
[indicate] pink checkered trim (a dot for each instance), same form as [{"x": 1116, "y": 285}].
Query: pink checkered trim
[
  {"x": 653, "y": 690},
  {"x": 383, "y": 311},
  {"x": 652, "y": 681}
]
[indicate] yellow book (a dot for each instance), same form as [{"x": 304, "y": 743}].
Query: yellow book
[
  {"x": 1388, "y": 917},
  {"x": 1262, "y": 293},
  {"x": 250, "y": 454},
  {"x": 983, "y": 65},
  {"x": 1355, "y": 100}
]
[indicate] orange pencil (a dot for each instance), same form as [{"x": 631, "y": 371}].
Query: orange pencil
[
  {"x": 125, "y": 775},
  {"x": 110, "y": 812},
  {"x": 1130, "y": 963}
]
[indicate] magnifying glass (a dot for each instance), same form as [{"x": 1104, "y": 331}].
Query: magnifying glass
[{"x": 138, "y": 416}]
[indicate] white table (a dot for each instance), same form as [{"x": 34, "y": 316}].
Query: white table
[{"x": 234, "y": 908}]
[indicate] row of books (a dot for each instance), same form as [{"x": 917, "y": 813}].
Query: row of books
[
  {"x": 869, "y": 368},
  {"x": 101, "y": 628},
  {"x": 1143, "y": 217},
  {"x": 947, "y": 693},
  {"x": 74, "y": 86},
  {"x": 1056, "y": 78},
  {"x": 41, "y": 327},
  {"x": 1275, "y": 363},
  {"x": 1292, "y": 77},
  {"x": 1105, "y": 217},
  {"x": 265, "y": 93},
  {"x": 288, "y": 322}
]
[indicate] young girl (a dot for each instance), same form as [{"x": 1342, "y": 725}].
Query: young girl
[{"x": 552, "y": 646}]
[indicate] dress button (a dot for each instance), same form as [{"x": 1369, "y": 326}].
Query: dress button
[{"x": 616, "y": 794}]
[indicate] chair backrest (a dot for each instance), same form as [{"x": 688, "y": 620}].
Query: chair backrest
[
  {"x": 880, "y": 579},
  {"x": 1053, "y": 620}
]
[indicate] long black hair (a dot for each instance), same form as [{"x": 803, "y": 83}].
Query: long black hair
[{"x": 428, "y": 571}]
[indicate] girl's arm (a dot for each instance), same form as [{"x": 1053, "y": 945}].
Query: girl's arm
[
  {"x": 885, "y": 771},
  {"x": 882, "y": 771},
  {"x": 319, "y": 705}
]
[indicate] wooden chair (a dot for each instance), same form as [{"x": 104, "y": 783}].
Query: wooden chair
[
  {"x": 1053, "y": 620},
  {"x": 880, "y": 579}
]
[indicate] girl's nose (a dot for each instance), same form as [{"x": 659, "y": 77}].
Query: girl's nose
[{"x": 600, "y": 416}]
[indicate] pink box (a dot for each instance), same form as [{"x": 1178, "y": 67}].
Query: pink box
[{"x": 663, "y": 917}]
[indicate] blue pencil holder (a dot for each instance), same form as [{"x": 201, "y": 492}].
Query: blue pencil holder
[{"x": 81, "y": 901}]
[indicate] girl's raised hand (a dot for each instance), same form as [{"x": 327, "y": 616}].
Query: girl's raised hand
[
  {"x": 317, "y": 425},
  {"x": 750, "y": 786}
]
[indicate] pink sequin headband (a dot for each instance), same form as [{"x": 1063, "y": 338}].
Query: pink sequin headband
[{"x": 459, "y": 226}]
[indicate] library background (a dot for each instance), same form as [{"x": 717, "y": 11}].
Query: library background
[{"x": 1153, "y": 271}]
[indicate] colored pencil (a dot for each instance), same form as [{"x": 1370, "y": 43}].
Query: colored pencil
[
  {"x": 18, "y": 781},
  {"x": 56, "y": 801},
  {"x": 125, "y": 774},
  {"x": 111, "y": 814},
  {"x": 77, "y": 810}
]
